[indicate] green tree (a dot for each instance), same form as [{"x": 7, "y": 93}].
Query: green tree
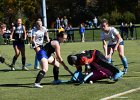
[{"x": 129, "y": 17}]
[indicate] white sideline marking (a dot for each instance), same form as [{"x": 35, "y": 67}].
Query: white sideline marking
[
  {"x": 135, "y": 72},
  {"x": 120, "y": 94}
]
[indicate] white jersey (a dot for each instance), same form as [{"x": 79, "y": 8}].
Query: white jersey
[
  {"x": 110, "y": 36},
  {"x": 30, "y": 33},
  {"x": 39, "y": 35}
]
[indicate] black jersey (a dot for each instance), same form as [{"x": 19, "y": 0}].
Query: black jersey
[
  {"x": 18, "y": 33},
  {"x": 49, "y": 49}
]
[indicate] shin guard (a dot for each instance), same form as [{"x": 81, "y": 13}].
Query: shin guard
[
  {"x": 39, "y": 76},
  {"x": 55, "y": 72}
]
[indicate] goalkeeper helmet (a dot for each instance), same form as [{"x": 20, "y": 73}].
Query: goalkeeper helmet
[{"x": 72, "y": 59}]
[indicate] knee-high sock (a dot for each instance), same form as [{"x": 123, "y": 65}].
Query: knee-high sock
[
  {"x": 39, "y": 76},
  {"x": 14, "y": 60},
  {"x": 125, "y": 63},
  {"x": 55, "y": 72},
  {"x": 109, "y": 60},
  {"x": 23, "y": 61}
]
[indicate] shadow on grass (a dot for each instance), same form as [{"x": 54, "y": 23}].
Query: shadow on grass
[
  {"x": 129, "y": 77},
  {"x": 105, "y": 82},
  {"x": 9, "y": 70},
  {"x": 128, "y": 63},
  {"x": 60, "y": 76},
  {"x": 17, "y": 85},
  {"x": 29, "y": 85}
]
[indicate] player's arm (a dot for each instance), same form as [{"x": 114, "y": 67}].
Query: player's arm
[
  {"x": 56, "y": 45},
  {"x": 119, "y": 39},
  {"x": 105, "y": 47},
  {"x": 47, "y": 36},
  {"x": 34, "y": 45},
  {"x": 12, "y": 32},
  {"x": 25, "y": 33}
]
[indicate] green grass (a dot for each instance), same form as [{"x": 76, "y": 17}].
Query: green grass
[{"x": 17, "y": 85}]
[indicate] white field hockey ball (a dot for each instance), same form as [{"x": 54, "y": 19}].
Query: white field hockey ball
[{"x": 91, "y": 82}]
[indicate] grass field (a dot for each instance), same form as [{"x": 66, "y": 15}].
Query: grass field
[{"x": 17, "y": 85}]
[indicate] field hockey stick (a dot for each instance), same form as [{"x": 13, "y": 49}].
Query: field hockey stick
[
  {"x": 6, "y": 63},
  {"x": 16, "y": 40},
  {"x": 72, "y": 75},
  {"x": 86, "y": 77},
  {"x": 12, "y": 40},
  {"x": 17, "y": 62}
]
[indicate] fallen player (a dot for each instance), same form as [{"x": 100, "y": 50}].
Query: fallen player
[{"x": 96, "y": 67}]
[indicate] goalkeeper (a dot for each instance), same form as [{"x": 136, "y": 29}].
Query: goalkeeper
[{"x": 95, "y": 63}]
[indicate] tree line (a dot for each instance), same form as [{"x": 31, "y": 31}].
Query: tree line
[{"x": 77, "y": 11}]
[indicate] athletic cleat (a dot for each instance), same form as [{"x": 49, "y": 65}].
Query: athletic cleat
[
  {"x": 37, "y": 85},
  {"x": 37, "y": 68},
  {"x": 125, "y": 70},
  {"x": 12, "y": 68},
  {"x": 25, "y": 68},
  {"x": 118, "y": 76},
  {"x": 55, "y": 82}
]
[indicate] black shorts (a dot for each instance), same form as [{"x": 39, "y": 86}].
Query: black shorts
[{"x": 113, "y": 46}]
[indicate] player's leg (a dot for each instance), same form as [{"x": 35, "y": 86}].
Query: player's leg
[
  {"x": 41, "y": 74},
  {"x": 106, "y": 68},
  {"x": 23, "y": 58},
  {"x": 123, "y": 58},
  {"x": 83, "y": 37},
  {"x": 109, "y": 70},
  {"x": 36, "y": 63},
  {"x": 56, "y": 64},
  {"x": 110, "y": 52},
  {"x": 42, "y": 57},
  {"x": 97, "y": 75},
  {"x": 17, "y": 53},
  {"x": 103, "y": 63}
]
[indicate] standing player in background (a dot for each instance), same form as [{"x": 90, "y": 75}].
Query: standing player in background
[
  {"x": 132, "y": 30},
  {"x": 38, "y": 34},
  {"x": 115, "y": 42},
  {"x": 18, "y": 35},
  {"x": 29, "y": 36}
]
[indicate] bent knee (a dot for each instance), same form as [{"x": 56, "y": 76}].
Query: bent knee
[{"x": 121, "y": 55}]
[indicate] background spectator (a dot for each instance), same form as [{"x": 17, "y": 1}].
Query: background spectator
[
  {"x": 57, "y": 24},
  {"x": 122, "y": 30},
  {"x": 70, "y": 33},
  {"x": 82, "y": 32},
  {"x": 126, "y": 30},
  {"x": 61, "y": 29},
  {"x": 65, "y": 22},
  {"x": 95, "y": 22},
  {"x": 131, "y": 28}
]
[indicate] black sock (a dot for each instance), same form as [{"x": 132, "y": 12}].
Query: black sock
[
  {"x": 23, "y": 61},
  {"x": 55, "y": 72},
  {"x": 14, "y": 60},
  {"x": 39, "y": 76}
]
